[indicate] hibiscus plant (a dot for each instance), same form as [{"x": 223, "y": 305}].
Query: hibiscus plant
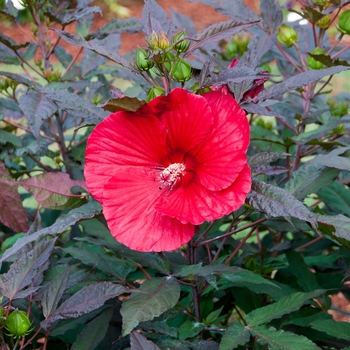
[{"x": 190, "y": 194}]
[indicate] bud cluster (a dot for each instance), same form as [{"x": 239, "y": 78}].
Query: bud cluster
[{"x": 162, "y": 58}]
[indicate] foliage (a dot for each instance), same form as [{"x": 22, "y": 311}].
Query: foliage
[{"x": 262, "y": 277}]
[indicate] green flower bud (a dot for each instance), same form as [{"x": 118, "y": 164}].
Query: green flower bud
[
  {"x": 324, "y": 22},
  {"x": 322, "y": 3},
  {"x": 153, "y": 92},
  {"x": 163, "y": 41},
  {"x": 344, "y": 22},
  {"x": 286, "y": 35},
  {"x": 2, "y": 317},
  {"x": 168, "y": 60},
  {"x": 183, "y": 45},
  {"x": 153, "y": 41},
  {"x": 312, "y": 63},
  {"x": 181, "y": 71},
  {"x": 18, "y": 324},
  {"x": 143, "y": 63}
]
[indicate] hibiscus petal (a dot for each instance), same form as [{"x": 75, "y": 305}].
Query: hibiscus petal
[
  {"x": 221, "y": 156},
  {"x": 128, "y": 206},
  {"x": 188, "y": 120},
  {"x": 122, "y": 139},
  {"x": 195, "y": 204}
]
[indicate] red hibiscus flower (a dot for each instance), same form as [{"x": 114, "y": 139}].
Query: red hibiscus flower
[{"x": 175, "y": 163}]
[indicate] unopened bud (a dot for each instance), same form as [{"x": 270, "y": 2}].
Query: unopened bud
[
  {"x": 181, "y": 71},
  {"x": 287, "y": 35},
  {"x": 153, "y": 92},
  {"x": 18, "y": 324},
  {"x": 344, "y": 22},
  {"x": 324, "y": 22},
  {"x": 180, "y": 46},
  {"x": 163, "y": 41},
  {"x": 312, "y": 63},
  {"x": 153, "y": 41},
  {"x": 143, "y": 63}
]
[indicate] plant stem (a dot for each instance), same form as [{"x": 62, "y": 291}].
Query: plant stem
[{"x": 289, "y": 59}]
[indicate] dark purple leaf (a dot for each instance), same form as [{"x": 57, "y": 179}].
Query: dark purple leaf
[
  {"x": 80, "y": 13},
  {"x": 333, "y": 159},
  {"x": 139, "y": 342},
  {"x": 272, "y": 15},
  {"x": 12, "y": 213}
]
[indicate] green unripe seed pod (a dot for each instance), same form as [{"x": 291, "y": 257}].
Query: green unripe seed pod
[
  {"x": 168, "y": 60},
  {"x": 143, "y": 63},
  {"x": 18, "y": 323},
  {"x": 181, "y": 71},
  {"x": 344, "y": 22},
  {"x": 312, "y": 63},
  {"x": 153, "y": 92},
  {"x": 181, "y": 46},
  {"x": 286, "y": 35},
  {"x": 324, "y": 22}
]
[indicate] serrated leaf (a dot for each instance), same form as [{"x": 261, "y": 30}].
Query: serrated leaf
[
  {"x": 25, "y": 269},
  {"x": 158, "y": 295},
  {"x": 219, "y": 31},
  {"x": 310, "y": 178},
  {"x": 281, "y": 340},
  {"x": 19, "y": 78},
  {"x": 204, "y": 271},
  {"x": 53, "y": 291},
  {"x": 264, "y": 157},
  {"x": 139, "y": 342},
  {"x": 234, "y": 336},
  {"x": 339, "y": 330},
  {"x": 189, "y": 329},
  {"x": 87, "y": 299},
  {"x": 10, "y": 43},
  {"x": 275, "y": 201},
  {"x": 53, "y": 190},
  {"x": 77, "y": 40},
  {"x": 86, "y": 211},
  {"x": 10, "y": 138},
  {"x": 340, "y": 223},
  {"x": 37, "y": 108},
  {"x": 130, "y": 25},
  {"x": 129, "y": 104},
  {"x": 305, "y": 278},
  {"x": 80, "y": 13},
  {"x": 12, "y": 213},
  {"x": 76, "y": 105},
  {"x": 154, "y": 18},
  {"x": 283, "y": 306},
  {"x": 75, "y": 85},
  {"x": 7, "y": 56},
  {"x": 94, "y": 332},
  {"x": 234, "y": 75},
  {"x": 272, "y": 15},
  {"x": 257, "y": 109},
  {"x": 333, "y": 159},
  {"x": 336, "y": 196},
  {"x": 297, "y": 81}
]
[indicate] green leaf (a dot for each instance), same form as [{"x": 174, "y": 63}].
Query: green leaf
[
  {"x": 128, "y": 104},
  {"x": 310, "y": 178},
  {"x": 219, "y": 31},
  {"x": 12, "y": 213},
  {"x": 10, "y": 138},
  {"x": 77, "y": 40},
  {"x": 337, "y": 197},
  {"x": 234, "y": 336},
  {"x": 305, "y": 278},
  {"x": 87, "y": 299},
  {"x": 139, "y": 342},
  {"x": 76, "y": 105},
  {"x": 190, "y": 329},
  {"x": 52, "y": 292},
  {"x": 86, "y": 211},
  {"x": 275, "y": 201},
  {"x": 284, "y": 306},
  {"x": 53, "y": 190},
  {"x": 37, "y": 108},
  {"x": 333, "y": 160},
  {"x": 281, "y": 340},
  {"x": 298, "y": 81},
  {"x": 158, "y": 295},
  {"x": 339, "y": 330},
  {"x": 25, "y": 269},
  {"x": 213, "y": 316},
  {"x": 94, "y": 332}
]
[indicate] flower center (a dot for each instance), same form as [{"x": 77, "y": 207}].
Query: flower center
[{"x": 172, "y": 174}]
